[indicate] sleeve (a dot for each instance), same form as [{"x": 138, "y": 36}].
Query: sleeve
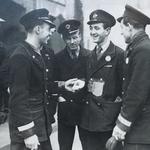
[
  {"x": 120, "y": 65},
  {"x": 137, "y": 90},
  {"x": 19, "y": 95}
]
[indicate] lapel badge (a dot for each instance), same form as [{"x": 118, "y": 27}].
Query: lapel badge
[
  {"x": 108, "y": 58},
  {"x": 33, "y": 57},
  {"x": 67, "y": 26},
  {"x": 46, "y": 55},
  {"x": 127, "y": 60}
]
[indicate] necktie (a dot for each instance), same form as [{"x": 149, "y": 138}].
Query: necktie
[
  {"x": 98, "y": 52},
  {"x": 74, "y": 55}
]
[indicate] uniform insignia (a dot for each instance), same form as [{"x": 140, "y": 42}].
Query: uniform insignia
[
  {"x": 95, "y": 16},
  {"x": 46, "y": 55},
  {"x": 67, "y": 26},
  {"x": 108, "y": 58},
  {"x": 33, "y": 57},
  {"x": 127, "y": 60}
]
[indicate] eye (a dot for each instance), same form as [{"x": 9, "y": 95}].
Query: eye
[
  {"x": 91, "y": 28},
  {"x": 97, "y": 28}
]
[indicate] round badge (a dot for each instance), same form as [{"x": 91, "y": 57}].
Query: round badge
[
  {"x": 67, "y": 26},
  {"x": 108, "y": 58},
  {"x": 33, "y": 57},
  {"x": 127, "y": 60}
]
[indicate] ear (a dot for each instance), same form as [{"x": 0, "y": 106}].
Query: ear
[
  {"x": 130, "y": 26},
  {"x": 37, "y": 29},
  {"x": 108, "y": 30}
]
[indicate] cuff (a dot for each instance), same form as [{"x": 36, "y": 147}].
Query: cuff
[
  {"x": 123, "y": 123},
  {"x": 26, "y": 127},
  {"x": 26, "y": 130}
]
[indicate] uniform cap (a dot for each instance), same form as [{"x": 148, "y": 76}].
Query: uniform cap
[
  {"x": 69, "y": 26},
  {"x": 37, "y": 15},
  {"x": 101, "y": 16},
  {"x": 134, "y": 14}
]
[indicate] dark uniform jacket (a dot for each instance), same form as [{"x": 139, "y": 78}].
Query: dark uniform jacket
[
  {"x": 136, "y": 98},
  {"x": 100, "y": 111},
  {"x": 30, "y": 76},
  {"x": 69, "y": 112}
]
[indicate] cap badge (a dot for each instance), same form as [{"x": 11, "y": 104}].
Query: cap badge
[
  {"x": 95, "y": 16},
  {"x": 108, "y": 58},
  {"x": 67, "y": 26}
]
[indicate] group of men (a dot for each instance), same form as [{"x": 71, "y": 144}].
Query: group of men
[{"x": 103, "y": 92}]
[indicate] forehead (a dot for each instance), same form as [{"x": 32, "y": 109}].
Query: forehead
[
  {"x": 74, "y": 34},
  {"x": 97, "y": 25}
]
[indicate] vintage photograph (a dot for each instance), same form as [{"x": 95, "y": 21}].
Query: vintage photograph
[{"x": 74, "y": 75}]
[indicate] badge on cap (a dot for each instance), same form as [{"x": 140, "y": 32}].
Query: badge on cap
[
  {"x": 67, "y": 26},
  {"x": 108, "y": 58},
  {"x": 127, "y": 60},
  {"x": 95, "y": 16}
]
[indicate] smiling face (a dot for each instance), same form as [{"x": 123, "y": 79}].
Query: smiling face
[
  {"x": 98, "y": 33},
  {"x": 73, "y": 40}
]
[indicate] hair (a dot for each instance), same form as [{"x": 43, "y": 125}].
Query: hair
[
  {"x": 29, "y": 27},
  {"x": 105, "y": 25},
  {"x": 136, "y": 24}
]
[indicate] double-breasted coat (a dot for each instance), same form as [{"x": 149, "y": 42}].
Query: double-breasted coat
[
  {"x": 69, "y": 112},
  {"x": 135, "y": 112},
  {"x": 30, "y": 93},
  {"x": 100, "y": 112}
]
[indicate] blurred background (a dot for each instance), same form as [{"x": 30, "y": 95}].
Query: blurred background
[{"x": 11, "y": 32}]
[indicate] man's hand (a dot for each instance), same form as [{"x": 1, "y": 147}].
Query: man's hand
[
  {"x": 74, "y": 85},
  {"x": 32, "y": 142},
  {"x": 61, "y": 99},
  {"x": 118, "y": 133}
]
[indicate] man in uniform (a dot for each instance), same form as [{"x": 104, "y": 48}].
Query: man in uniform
[
  {"x": 30, "y": 72},
  {"x": 3, "y": 88},
  {"x": 133, "y": 123},
  {"x": 71, "y": 64},
  {"x": 104, "y": 80}
]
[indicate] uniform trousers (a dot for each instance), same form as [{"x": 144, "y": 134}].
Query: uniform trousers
[
  {"x": 46, "y": 145},
  {"x": 66, "y": 135},
  {"x": 96, "y": 140}
]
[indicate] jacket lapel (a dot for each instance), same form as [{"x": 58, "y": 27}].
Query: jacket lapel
[
  {"x": 106, "y": 58},
  {"x": 35, "y": 57}
]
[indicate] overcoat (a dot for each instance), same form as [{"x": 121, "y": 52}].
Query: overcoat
[
  {"x": 136, "y": 98},
  {"x": 30, "y": 93},
  {"x": 69, "y": 112},
  {"x": 100, "y": 112}
]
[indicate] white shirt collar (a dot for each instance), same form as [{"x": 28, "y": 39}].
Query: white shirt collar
[{"x": 105, "y": 46}]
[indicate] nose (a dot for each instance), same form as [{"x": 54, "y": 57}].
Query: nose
[
  {"x": 71, "y": 40},
  {"x": 92, "y": 32}
]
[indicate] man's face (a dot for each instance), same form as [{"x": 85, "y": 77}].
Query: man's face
[
  {"x": 98, "y": 33},
  {"x": 45, "y": 33},
  {"x": 125, "y": 32},
  {"x": 73, "y": 41}
]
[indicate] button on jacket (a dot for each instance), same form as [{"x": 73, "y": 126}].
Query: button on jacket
[
  {"x": 135, "y": 112},
  {"x": 30, "y": 76},
  {"x": 100, "y": 111},
  {"x": 69, "y": 112}
]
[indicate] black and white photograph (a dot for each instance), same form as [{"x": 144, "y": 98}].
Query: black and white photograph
[{"x": 74, "y": 75}]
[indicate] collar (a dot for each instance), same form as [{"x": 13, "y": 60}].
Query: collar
[
  {"x": 38, "y": 51},
  {"x": 105, "y": 46},
  {"x": 76, "y": 52}
]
